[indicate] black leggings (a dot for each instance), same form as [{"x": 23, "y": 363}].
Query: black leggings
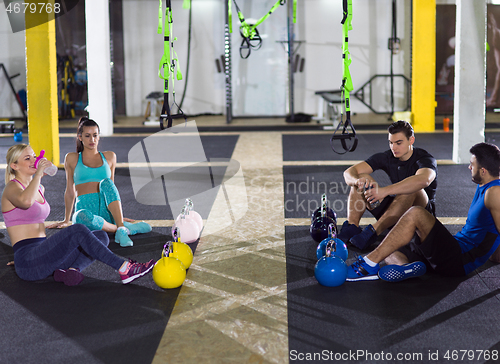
[{"x": 73, "y": 247}]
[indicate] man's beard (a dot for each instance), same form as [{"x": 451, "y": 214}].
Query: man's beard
[{"x": 476, "y": 178}]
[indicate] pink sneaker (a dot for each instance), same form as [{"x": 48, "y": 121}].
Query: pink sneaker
[{"x": 136, "y": 270}]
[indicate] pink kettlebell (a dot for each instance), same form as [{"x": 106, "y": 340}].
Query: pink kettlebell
[
  {"x": 186, "y": 227},
  {"x": 193, "y": 214}
]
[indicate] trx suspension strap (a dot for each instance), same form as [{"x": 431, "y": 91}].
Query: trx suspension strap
[
  {"x": 346, "y": 86},
  {"x": 250, "y": 34},
  {"x": 169, "y": 64}
]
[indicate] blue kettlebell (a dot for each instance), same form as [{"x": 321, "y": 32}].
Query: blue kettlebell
[
  {"x": 328, "y": 211},
  {"x": 330, "y": 270},
  {"x": 18, "y": 135},
  {"x": 339, "y": 247}
]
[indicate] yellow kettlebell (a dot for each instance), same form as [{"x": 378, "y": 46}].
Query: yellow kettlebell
[
  {"x": 169, "y": 272},
  {"x": 181, "y": 250}
]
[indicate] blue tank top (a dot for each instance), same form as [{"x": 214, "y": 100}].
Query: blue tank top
[
  {"x": 473, "y": 238},
  {"x": 84, "y": 174}
]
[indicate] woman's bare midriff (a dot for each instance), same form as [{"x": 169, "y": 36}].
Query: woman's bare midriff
[
  {"x": 27, "y": 231},
  {"x": 86, "y": 188}
]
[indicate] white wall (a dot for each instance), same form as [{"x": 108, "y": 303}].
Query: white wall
[
  {"x": 372, "y": 23},
  {"x": 143, "y": 49},
  {"x": 318, "y": 25},
  {"x": 12, "y": 55}
]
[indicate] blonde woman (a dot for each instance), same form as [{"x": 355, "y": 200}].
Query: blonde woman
[{"x": 64, "y": 254}]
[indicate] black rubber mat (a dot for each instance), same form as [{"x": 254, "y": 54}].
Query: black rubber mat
[
  {"x": 236, "y": 128},
  {"x": 304, "y": 186},
  {"x": 214, "y": 146},
  {"x": 422, "y": 320},
  {"x": 101, "y": 320},
  {"x": 317, "y": 146},
  {"x": 369, "y": 322}
]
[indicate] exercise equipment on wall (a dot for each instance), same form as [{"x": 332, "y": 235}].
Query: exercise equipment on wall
[
  {"x": 251, "y": 38},
  {"x": 66, "y": 76},
  {"x": 346, "y": 87},
  {"x": 249, "y": 32},
  {"x": 365, "y": 92},
  {"x": 187, "y": 5},
  {"x": 72, "y": 87},
  {"x": 17, "y": 95},
  {"x": 169, "y": 63},
  {"x": 394, "y": 45}
]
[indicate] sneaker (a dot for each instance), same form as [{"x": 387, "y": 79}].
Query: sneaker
[
  {"x": 70, "y": 277},
  {"x": 136, "y": 270},
  {"x": 361, "y": 271},
  {"x": 138, "y": 227},
  {"x": 398, "y": 273},
  {"x": 365, "y": 238},
  {"x": 348, "y": 231},
  {"x": 121, "y": 237}
]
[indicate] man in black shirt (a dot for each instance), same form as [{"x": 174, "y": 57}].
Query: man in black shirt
[{"x": 413, "y": 174}]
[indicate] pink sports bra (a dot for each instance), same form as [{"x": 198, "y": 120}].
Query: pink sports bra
[{"x": 35, "y": 214}]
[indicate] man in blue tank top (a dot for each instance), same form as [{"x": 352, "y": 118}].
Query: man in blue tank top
[{"x": 434, "y": 247}]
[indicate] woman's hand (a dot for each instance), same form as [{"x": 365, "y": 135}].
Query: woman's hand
[
  {"x": 10, "y": 263},
  {"x": 42, "y": 164},
  {"x": 59, "y": 225},
  {"x": 128, "y": 220}
]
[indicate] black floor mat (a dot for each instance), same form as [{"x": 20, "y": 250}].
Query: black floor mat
[{"x": 362, "y": 321}]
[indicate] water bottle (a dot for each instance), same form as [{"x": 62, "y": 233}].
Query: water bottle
[
  {"x": 375, "y": 204},
  {"x": 51, "y": 170}
]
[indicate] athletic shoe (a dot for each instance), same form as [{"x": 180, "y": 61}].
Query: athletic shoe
[
  {"x": 361, "y": 271},
  {"x": 398, "y": 273},
  {"x": 70, "y": 277},
  {"x": 136, "y": 270},
  {"x": 348, "y": 231},
  {"x": 121, "y": 237},
  {"x": 138, "y": 227},
  {"x": 365, "y": 238}
]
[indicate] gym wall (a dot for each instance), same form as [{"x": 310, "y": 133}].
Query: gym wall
[{"x": 260, "y": 83}]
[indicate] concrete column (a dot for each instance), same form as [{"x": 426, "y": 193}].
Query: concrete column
[
  {"x": 99, "y": 64},
  {"x": 41, "y": 82},
  {"x": 423, "y": 78},
  {"x": 470, "y": 78}
]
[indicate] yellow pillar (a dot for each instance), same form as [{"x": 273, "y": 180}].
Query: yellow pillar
[
  {"x": 423, "y": 78},
  {"x": 41, "y": 82}
]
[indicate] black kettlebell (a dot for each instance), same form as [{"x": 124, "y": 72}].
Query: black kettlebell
[
  {"x": 328, "y": 211},
  {"x": 319, "y": 227}
]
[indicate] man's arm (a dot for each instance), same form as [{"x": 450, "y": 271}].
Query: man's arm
[
  {"x": 353, "y": 174},
  {"x": 420, "y": 180},
  {"x": 492, "y": 203}
]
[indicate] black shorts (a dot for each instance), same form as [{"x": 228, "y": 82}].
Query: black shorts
[
  {"x": 440, "y": 251},
  {"x": 380, "y": 210}
]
